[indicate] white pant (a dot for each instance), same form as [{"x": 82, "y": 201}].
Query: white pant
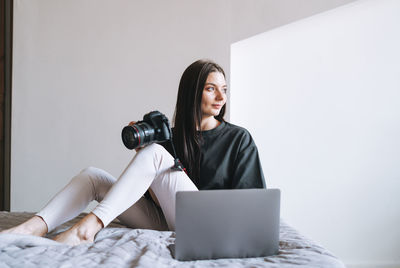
[{"x": 123, "y": 198}]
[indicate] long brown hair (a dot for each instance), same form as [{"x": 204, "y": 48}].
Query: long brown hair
[{"x": 187, "y": 117}]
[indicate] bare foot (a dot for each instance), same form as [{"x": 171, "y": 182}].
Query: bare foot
[
  {"x": 34, "y": 226},
  {"x": 82, "y": 232}
]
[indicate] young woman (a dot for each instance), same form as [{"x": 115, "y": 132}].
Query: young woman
[{"x": 216, "y": 154}]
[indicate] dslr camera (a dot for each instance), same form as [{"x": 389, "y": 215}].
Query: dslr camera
[{"x": 153, "y": 128}]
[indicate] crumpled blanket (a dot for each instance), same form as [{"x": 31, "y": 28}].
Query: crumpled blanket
[{"x": 118, "y": 246}]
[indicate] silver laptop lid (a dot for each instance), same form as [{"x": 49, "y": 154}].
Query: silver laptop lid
[{"x": 213, "y": 224}]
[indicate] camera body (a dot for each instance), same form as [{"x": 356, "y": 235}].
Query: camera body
[{"x": 153, "y": 128}]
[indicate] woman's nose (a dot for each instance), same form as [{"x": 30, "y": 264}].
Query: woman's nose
[{"x": 219, "y": 95}]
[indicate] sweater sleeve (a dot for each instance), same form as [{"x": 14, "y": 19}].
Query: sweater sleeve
[{"x": 248, "y": 172}]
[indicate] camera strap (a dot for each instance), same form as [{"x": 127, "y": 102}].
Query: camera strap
[{"x": 178, "y": 166}]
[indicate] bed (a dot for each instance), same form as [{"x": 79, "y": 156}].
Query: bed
[{"x": 118, "y": 246}]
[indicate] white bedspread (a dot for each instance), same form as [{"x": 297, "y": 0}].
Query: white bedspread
[{"x": 117, "y": 246}]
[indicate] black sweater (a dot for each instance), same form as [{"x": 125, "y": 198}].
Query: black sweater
[{"x": 229, "y": 159}]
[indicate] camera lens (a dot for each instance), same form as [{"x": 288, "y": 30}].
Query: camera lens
[
  {"x": 128, "y": 137},
  {"x": 137, "y": 135}
]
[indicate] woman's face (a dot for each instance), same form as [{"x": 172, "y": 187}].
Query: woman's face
[{"x": 214, "y": 94}]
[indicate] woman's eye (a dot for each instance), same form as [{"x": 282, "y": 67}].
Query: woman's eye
[{"x": 210, "y": 88}]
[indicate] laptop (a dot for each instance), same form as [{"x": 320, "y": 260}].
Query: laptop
[{"x": 213, "y": 224}]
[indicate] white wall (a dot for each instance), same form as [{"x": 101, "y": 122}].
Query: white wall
[
  {"x": 84, "y": 69},
  {"x": 322, "y": 99},
  {"x": 251, "y": 17}
]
